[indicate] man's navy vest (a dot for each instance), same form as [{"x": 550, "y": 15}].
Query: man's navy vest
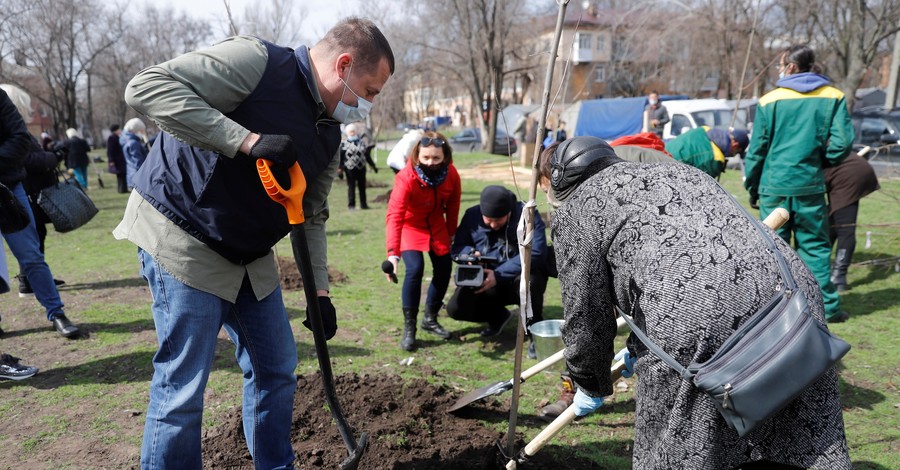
[{"x": 220, "y": 200}]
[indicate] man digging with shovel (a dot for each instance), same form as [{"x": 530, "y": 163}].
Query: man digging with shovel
[{"x": 205, "y": 225}]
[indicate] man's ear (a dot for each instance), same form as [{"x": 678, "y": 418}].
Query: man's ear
[{"x": 342, "y": 62}]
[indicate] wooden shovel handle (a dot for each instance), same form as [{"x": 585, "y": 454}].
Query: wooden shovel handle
[
  {"x": 531, "y": 371},
  {"x": 564, "y": 418},
  {"x": 777, "y": 218}
]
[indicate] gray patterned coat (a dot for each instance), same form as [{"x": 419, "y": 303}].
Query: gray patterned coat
[{"x": 669, "y": 236}]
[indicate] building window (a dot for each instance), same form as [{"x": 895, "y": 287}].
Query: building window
[
  {"x": 584, "y": 41},
  {"x": 599, "y": 73},
  {"x": 601, "y": 43}
]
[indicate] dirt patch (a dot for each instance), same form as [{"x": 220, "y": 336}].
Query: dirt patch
[
  {"x": 406, "y": 422},
  {"x": 290, "y": 274},
  {"x": 508, "y": 174}
]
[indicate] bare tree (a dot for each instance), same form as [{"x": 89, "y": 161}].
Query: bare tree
[
  {"x": 150, "y": 36},
  {"x": 279, "y": 21},
  {"x": 848, "y": 35},
  {"x": 468, "y": 42},
  {"x": 57, "y": 41}
]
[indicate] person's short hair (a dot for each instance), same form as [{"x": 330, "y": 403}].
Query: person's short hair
[
  {"x": 20, "y": 99},
  {"x": 113, "y": 128},
  {"x": 742, "y": 138},
  {"x": 350, "y": 127},
  {"x": 72, "y": 133},
  {"x": 135, "y": 125},
  {"x": 414, "y": 153},
  {"x": 362, "y": 38}
]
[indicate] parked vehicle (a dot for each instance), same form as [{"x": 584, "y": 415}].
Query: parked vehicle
[
  {"x": 877, "y": 129},
  {"x": 469, "y": 139},
  {"x": 685, "y": 115}
]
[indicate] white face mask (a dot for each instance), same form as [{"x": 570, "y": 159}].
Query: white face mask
[
  {"x": 781, "y": 75},
  {"x": 345, "y": 113},
  {"x": 653, "y": 102}
]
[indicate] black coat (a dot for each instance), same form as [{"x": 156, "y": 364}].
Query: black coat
[
  {"x": 78, "y": 152},
  {"x": 114, "y": 155},
  {"x": 40, "y": 169},
  {"x": 14, "y": 142}
]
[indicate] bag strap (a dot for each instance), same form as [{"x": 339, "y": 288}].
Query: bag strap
[
  {"x": 790, "y": 286},
  {"x": 653, "y": 347}
]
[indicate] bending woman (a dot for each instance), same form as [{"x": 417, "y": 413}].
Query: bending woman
[{"x": 667, "y": 244}]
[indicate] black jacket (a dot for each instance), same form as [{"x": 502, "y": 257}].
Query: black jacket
[
  {"x": 40, "y": 169},
  {"x": 78, "y": 152},
  {"x": 473, "y": 235},
  {"x": 14, "y": 142}
]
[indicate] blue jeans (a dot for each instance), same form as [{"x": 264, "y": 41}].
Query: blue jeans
[
  {"x": 26, "y": 247},
  {"x": 412, "y": 281},
  {"x": 187, "y": 325}
]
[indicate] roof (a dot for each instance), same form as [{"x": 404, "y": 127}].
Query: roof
[{"x": 594, "y": 18}]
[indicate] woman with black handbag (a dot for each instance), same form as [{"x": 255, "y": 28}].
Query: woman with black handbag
[
  {"x": 667, "y": 245},
  {"x": 24, "y": 244}
]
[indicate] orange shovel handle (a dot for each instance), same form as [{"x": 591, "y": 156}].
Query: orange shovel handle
[{"x": 292, "y": 198}]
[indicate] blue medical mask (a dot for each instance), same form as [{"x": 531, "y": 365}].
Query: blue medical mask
[
  {"x": 781, "y": 75},
  {"x": 345, "y": 113}
]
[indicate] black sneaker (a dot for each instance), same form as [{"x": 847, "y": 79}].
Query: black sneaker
[
  {"x": 11, "y": 369},
  {"x": 494, "y": 330},
  {"x": 840, "y": 317},
  {"x": 25, "y": 287}
]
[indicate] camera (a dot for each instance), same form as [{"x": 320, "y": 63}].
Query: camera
[{"x": 471, "y": 275}]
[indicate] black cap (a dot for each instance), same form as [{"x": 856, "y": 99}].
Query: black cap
[{"x": 496, "y": 201}]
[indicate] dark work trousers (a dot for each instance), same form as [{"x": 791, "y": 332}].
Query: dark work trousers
[
  {"x": 121, "y": 183},
  {"x": 490, "y": 305},
  {"x": 843, "y": 229},
  {"x": 412, "y": 281},
  {"x": 356, "y": 178}
]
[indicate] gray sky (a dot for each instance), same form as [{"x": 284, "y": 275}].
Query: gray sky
[{"x": 320, "y": 14}]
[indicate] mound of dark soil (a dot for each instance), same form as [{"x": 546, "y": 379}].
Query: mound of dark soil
[
  {"x": 406, "y": 422},
  {"x": 290, "y": 274}
]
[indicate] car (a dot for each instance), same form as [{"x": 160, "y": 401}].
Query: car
[
  {"x": 685, "y": 115},
  {"x": 469, "y": 139},
  {"x": 877, "y": 129}
]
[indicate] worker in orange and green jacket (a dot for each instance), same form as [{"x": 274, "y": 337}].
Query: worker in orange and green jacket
[{"x": 800, "y": 127}]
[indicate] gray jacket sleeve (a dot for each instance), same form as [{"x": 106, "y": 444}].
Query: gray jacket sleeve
[
  {"x": 188, "y": 95},
  {"x": 315, "y": 211},
  {"x": 584, "y": 277}
]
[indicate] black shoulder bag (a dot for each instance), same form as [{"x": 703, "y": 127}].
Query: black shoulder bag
[{"x": 767, "y": 362}]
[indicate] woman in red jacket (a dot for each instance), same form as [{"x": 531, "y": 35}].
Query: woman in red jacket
[{"x": 421, "y": 218}]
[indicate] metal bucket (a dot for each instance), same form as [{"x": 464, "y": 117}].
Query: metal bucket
[{"x": 548, "y": 341}]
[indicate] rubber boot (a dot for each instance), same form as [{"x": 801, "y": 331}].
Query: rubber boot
[
  {"x": 566, "y": 396},
  {"x": 408, "y": 343},
  {"x": 839, "y": 270},
  {"x": 431, "y": 325}
]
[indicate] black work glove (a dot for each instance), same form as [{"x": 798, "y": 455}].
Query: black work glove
[
  {"x": 329, "y": 317},
  {"x": 754, "y": 202},
  {"x": 277, "y": 148}
]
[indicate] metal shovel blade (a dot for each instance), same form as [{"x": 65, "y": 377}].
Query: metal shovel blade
[
  {"x": 483, "y": 392},
  {"x": 500, "y": 387}
]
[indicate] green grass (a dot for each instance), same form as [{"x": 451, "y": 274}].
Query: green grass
[{"x": 109, "y": 373}]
